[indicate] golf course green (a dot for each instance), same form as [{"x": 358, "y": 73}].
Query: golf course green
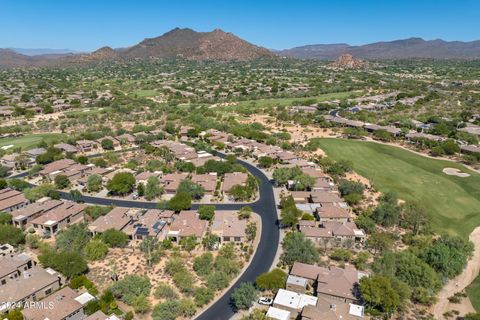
[{"x": 454, "y": 202}]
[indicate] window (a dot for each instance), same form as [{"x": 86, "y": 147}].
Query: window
[
  {"x": 226, "y": 238},
  {"x": 237, "y": 239},
  {"x": 4, "y": 281},
  {"x": 48, "y": 291}
]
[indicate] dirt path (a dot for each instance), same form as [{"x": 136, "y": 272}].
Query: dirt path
[{"x": 460, "y": 283}]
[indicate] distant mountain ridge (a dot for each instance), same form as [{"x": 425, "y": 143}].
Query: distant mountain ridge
[
  {"x": 397, "y": 49},
  {"x": 218, "y": 45},
  {"x": 43, "y": 51},
  {"x": 178, "y": 43}
]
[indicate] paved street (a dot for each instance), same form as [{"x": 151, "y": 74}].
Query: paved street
[{"x": 267, "y": 247}]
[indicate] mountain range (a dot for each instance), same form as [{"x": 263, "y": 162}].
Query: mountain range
[
  {"x": 398, "y": 49},
  {"x": 177, "y": 43},
  {"x": 223, "y": 46}
]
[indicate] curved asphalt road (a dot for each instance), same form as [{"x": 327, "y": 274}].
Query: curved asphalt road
[
  {"x": 266, "y": 250},
  {"x": 264, "y": 256}
]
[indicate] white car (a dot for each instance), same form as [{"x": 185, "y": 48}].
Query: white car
[{"x": 265, "y": 301}]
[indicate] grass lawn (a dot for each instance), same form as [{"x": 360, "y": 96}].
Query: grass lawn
[
  {"x": 453, "y": 201},
  {"x": 473, "y": 292},
  {"x": 30, "y": 140},
  {"x": 262, "y": 103},
  {"x": 145, "y": 93},
  {"x": 86, "y": 111}
]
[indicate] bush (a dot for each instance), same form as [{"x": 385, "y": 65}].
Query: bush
[
  {"x": 244, "y": 296},
  {"x": 69, "y": 264},
  {"x": 184, "y": 281},
  {"x": 11, "y": 235},
  {"x": 94, "y": 183},
  {"x": 206, "y": 212},
  {"x": 96, "y": 250},
  {"x": 165, "y": 291},
  {"x": 115, "y": 238},
  {"x": 141, "y": 304},
  {"x": 218, "y": 280},
  {"x": 272, "y": 280},
  {"x": 187, "y": 308},
  {"x": 5, "y": 218},
  {"x": 130, "y": 287},
  {"x": 168, "y": 310},
  {"x": 174, "y": 265},
  {"x": 203, "y": 265},
  {"x": 61, "y": 181},
  {"x": 203, "y": 295},
  {"x": 341, "y": 255}
]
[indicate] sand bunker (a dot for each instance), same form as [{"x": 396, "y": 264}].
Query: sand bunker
[{"x": 455, "y": 172}]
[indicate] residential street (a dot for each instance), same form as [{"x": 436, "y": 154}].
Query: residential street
[{"x": 267, "y": 247}]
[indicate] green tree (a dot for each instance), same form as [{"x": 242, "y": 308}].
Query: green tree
[
  {"x": 151, "y": 248},
  {"x": 265, "y": 162},
  {"x": 245, "y": 213},
  {"x": 289, "y": 216},
  {"x": 206, "y": 212},
  {"x": 379, "y": 293},
  {"x": 5, "y": 218},
  {"x": 11, "y": 235},
  {"x": 448, "y": 255},
  {"x": 107, "y": 144},
  {"x": 218, "y": 280},
  {"x": 450, "y": 147},
  {"x": 96, "y": 250},
  {"x": 195, "y": 190},
  {"x": 74, "y": 238},
  {"x": 122, "y": 183},
  {"x": 43, "y": 190},
  {"x": 68, "y": 263},
  {"x": 115, "y": 238},
  {"x": 188, "y": 243},
  {"x": 244, "y": 296},
  {"x": 380, "y": 241},
  {"x": 414, "y": 217},
  {"x": 3, "y": 184},
  {"x": 94, "y": 183},
  {"x": 298, "y": 248},
  {"x": 153, "y": 188},
  {"x": 61, "y": 181},
  {"x": 14, "y": 314},
  {"x": 180, "y": 201},
  {"x": 387, "y": 213},
  {"x": 272, "y": 280},
  {"x": 408, "y": 268}
]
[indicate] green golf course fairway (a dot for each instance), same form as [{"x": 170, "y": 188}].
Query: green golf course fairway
[
  {"x": 454, "y": 202},
  {"x": 30, "y": 140}
]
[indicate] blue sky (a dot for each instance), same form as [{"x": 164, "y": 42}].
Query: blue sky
[{"x": 88, "y": 24}]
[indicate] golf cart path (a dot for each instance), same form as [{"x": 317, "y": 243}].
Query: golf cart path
[{"x": 460, "y": 282}]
